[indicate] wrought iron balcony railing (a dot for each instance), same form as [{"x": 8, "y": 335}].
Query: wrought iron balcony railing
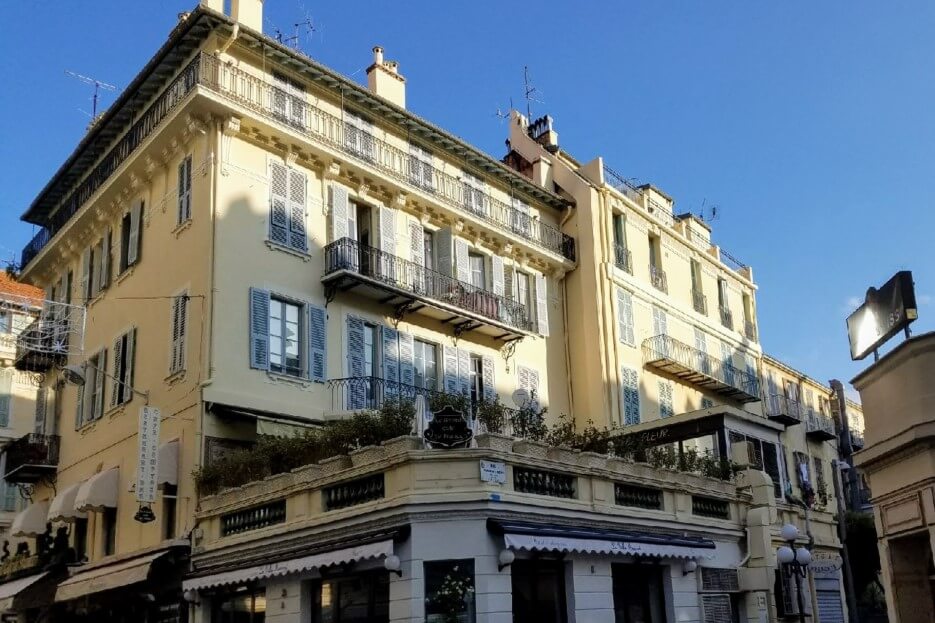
[
  {"x": 699, "y": 302},
  {"x": 31, "y": 458},
  {"x": 749, "y": 330},
  {"x": 658, "y": 278},
  {"x": 782, "y": 409},
  {"x": 819, "y": 426},
  {"x": 40, "y": 346},
  {"x": 699, "y": 368},
  {"x": 727, "y": 318},
  {"x": 857, "y": 439},
  {"x": 267, "y": 99},
  {"x": 622, "y": 258},
  {"x": 399, "y": 274}
]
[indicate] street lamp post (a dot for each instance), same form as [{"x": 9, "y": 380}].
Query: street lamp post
[{"x": 794, "y": 562}]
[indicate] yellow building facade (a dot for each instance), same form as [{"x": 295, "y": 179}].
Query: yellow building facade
[{"x": 259, "y": 246}]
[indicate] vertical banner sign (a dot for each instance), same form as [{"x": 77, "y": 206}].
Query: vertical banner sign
[{"x": 146, "y": 470}]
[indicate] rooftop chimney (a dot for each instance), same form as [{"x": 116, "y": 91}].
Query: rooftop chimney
[{"x": 383, "y": 79}]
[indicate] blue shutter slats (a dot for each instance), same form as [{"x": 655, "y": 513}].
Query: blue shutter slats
[
  {"x": 390, "y": 360},
  {"x": 406, "y": 356},
  {"x": 490, "y": 386},
  {"x": 357, "y": 392},
  {"x": 450, "y": 363},
  {"x": 631, "y": 395},
  {"x": 317, "y": 343},
  {"x": 259, "y": 329}
]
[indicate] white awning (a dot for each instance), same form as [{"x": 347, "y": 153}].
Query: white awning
[
  {"x": 99, "y": 491},
  {"x": 296, "y": 565},
  {"x": 107, "y": 577},
  {"x": 63, "y": 505},
  {"x": 597, "y": 546},
  {"x": 9, "y": 590},
  {"x": 31, "y": 520},
  {"x": 168, "y": 465}
]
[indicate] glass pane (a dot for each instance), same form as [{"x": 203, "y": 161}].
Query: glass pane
[{"x": 449, "y": 591}]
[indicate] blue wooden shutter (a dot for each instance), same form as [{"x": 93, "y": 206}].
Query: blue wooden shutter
[
  {"x": 278, "y": 203},
  {"x": 406, "y": 356},
  {"x": 630, "y": 395},
  {"x": 259, "y": 329},
  {"x": 452, "y": 382},
  {"x": 490, "y": 387},
  {"x": 665, "y": 399},
  {"x": 317, "y": 343},
  {"x": 357, "y": 391},
  {"x": 390, "y": 360}
]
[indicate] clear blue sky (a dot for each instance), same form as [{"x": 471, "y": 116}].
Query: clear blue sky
[{"x": 811, "y": 124}]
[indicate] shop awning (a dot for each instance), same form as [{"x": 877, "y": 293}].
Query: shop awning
[
  {"x": 63, "y": 505},
  {"x": 99, "y": 491},
  {"x": 10, "y": 590},
  {"x": 168, "y": 465},
  {"x": 31, "y": 521},
  {"x": 553, "y": 538},
  {"x": 107, "y": 577},
  {"x": 296, "y": 565}
]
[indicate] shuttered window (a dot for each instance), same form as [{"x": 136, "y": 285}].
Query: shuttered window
[
  {"x": 90, "y": 403},
  {"x": 727, "y": 367},
  {"x": 666, "y": 408},
  {"x": 474, "y": 193},
  {"x": 421, "y": 168},
  {"x": 358, "y": 135},
  {"x": 630, "y": 396},
  {"x": 542, "y": 306},
  {"x": 625, "y": 317},
  {"x": 122, "y": 381},
  {"x": 287, "y": 207},
  {"x": 287, "y": 336},
  {"x": 185, "y": 190},
  {"x": 179, "y": 332},
  {"x": 528, "y": 379},
  {"x": 43, "y": 396},
  {"x": 317, "y": 343}
]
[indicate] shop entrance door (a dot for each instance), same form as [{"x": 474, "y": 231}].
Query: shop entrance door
[
  {"x": 539, "y": 591},
  {"x": 638, "y": 594}
]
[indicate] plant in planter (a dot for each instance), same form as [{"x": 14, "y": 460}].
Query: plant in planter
[
  {"x": 529, "y": 421},
  {"x": 492, "y": 415}
]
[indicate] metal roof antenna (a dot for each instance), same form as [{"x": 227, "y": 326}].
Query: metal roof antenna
[
  {"x": 528, "y": 91},
  {"x": 98, "y": 85}
]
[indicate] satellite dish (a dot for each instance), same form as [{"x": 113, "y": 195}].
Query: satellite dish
[
  {"x": 520, "y": 397},
  {"x": 73, "y": 374}
]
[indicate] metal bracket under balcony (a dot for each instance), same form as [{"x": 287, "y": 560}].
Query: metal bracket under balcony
[
  {"x": 698, "y": 368},
  {"x": 32, "y": 458},
  {"x": 409, "y": 287},
  {"x": 783, "y": 410}
]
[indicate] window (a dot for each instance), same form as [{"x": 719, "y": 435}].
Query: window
[
  {"x": 425, "y": 365},
  {"x": 625, "y": 317},
  {"x": 722, "y": 293},
  {"x": 362, "y": 598},
  {"x": 478, "y": 275},
  {"x": 666, "y": 408},
  {"x": 428, "y": 244},
  {"x": 179, "y": 329},
  {"x": 244, "y": 604},
  {"x": 370, "y": 350},
  {"x": 185, "y": 190},
  {"x": 766, "y": 457},
  {"x": 727, "y": 363},
  {"x": 169, "y": 505},
  {"x": 79, "y": 530},
  {"x": 449, "y": 591},
  {"x": 696, "y": 276},
  {"x": 6, "y": 396},
  {"x": 539, "y": 591},
  {"x": 358, "y": 135},
  {"x": 421, "y": 169},
  {"x": 522, "y": 290},
  {"x": 475, "y": 193},
  {"x": 802, "y": 471},
  {"x": 9, "y": 497},
  {"x": 109, "y": 530},
  {"x": 90, "y": 403},
  {"x": 287, "y": 200},
  {"x": 521, "y": 219},
  {"x": 288, "y": 100},
  {"x": 654, "y": 259},
  {"x": 476, "y": 378},
  {"x": 122, "y": 388},
  {"x": 820, "y": 489},
  {"x": 6, "y": 323},
  {"x": 631, "y": 396},
  {"x": 620, "y": 231},
  {"x": 285, "y": 331},
  {"x": 131, "y": 236}
]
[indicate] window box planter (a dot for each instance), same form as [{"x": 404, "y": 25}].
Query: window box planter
[
  {"x": 531, "y": 448},
  {"x": 494, "y": 441}
]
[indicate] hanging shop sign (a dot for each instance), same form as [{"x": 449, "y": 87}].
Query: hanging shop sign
[{"x": 448, "y": 429}]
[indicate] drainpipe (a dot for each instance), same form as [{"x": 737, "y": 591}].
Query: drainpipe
[{"x": 230, "y": 40}]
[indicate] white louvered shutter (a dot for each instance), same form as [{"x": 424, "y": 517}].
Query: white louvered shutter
[
  {"x": 508, "y": 281},
  {"x": 357, "y": 393},
  {"x": 542, "y": 306},
  {"x": 317, "y": 343},
  {"x": 116, "y": 393},
  {"x": 135, "y": 237},
  {"x": 462, "y": 261},
  {"x": 406, "y": 357},
  {"x": 464, "y": 371},
  {"x": 630, "y": 396},
  {"x": 388, "y": 242},
  {"x": 444, "y": 260},
  {"x": 259, "y": 329},
  {"x": 417, "y": 254},
  {"x": 298, "y": 239},
  {"x": 450, "y": 363},
  {"x": 390, "y": 360},
  {"x": 278, "y": 203},
  {"x": 338, "y": 219},
  {"x": 625, "y": 317},
  {"x": 497, "y": 275},
  {"x": 490, "y": 385}
]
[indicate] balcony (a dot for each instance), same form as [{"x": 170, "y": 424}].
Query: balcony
[
  {"x": 727, "y": 318},
  {"x": 699, "y": 302},
  {"x": 39, "y": 349},
  {"x": 31, "y": 458},
  {"x": 819, "y": 427},
  {"x": 409, "y": 287},
  {"x": 749, "y": 330},
  {"x": 857, "y": 439},
  {"x": 700, "y": 369},
  {"x": 658, "y": 278},
  {"x": 623, "y": 259},
  {"x": 783, "y": 410}
]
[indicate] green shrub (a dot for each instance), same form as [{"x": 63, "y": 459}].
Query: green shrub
[{"x": 492, "y": 414}]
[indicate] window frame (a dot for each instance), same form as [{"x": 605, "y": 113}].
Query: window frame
[
  {"x": 377, "y": 582},
  {"x": 433, "y": 571},
  {"x": 420, "y": 347},
  {"x": 184, "y": 213},
  {"x": 301, "y": 336}
]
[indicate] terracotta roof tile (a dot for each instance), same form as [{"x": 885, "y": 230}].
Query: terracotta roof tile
[{"x": 9, "y": 285}]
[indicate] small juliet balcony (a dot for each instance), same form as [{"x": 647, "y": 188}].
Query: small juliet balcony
[
  {"x": 727, "y": 318},
  {"x": 32, "y": 458},
  {"x": 39, "y": 348},
  {"x": 699, "y": 368},
  {"x": 410, "y": 287},
  {"x": 623, "y": 259},
  {"x": 699, "y": 302},
  {"x": 783, "y": 410},
  {"x": 819, "y": 427},
  {"x": 657, "y": 277},
  {"x": 857, "y": 439}
]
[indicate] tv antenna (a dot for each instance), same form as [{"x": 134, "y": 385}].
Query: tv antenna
[
  {"x": 709, "y": 213},
  {"x": 98, "y": 85},
  {"x": 503, "y": 116},
  {"x": 528, "y": 91},
  {"x": 306, "y": 27}
]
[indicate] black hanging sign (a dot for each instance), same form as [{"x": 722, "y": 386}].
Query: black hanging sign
[{"x": 448, "y": 429}]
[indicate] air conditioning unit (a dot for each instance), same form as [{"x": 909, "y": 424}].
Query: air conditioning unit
[
  {"x": 716, "y": 609},
  {"x": 718, "y": 580}
]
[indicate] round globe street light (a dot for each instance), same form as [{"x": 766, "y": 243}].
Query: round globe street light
[{"x": 794, "y": 562}]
